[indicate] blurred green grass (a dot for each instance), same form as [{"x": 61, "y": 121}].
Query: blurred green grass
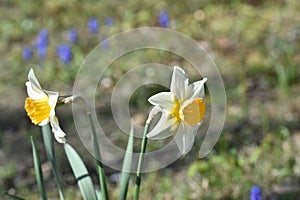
[{"x": 254, "y": 43}]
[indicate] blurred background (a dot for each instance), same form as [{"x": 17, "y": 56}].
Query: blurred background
[{"x": 255, "y": 45}]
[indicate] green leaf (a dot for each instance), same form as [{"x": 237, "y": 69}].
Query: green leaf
[
  {"x": 81, "y": 174},
  {"x": 99, "y": 165},
  {"x": 48, "y": 142},
  {"x": 38, "y": 170},
  {"x": 125, "y": 176}
]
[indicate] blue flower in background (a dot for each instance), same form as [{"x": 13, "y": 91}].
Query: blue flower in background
[
  {"x": 64, "y": 53},
  {"x": 41, "y": 43},
  {"x": 108, "y": 21},
  {"x": 72, "y": 35},
  {"x": 42, "y": 38},
  {"x": 27, "y": 53},
  {"x": 255, "y": 193},
  {"x": 93, "y": 25},
  {"x": 163, "y": 19}
]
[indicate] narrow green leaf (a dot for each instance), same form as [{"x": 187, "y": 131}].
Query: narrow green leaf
[
  {"x": 12, "y": 197},
  {"x": 48, "y": 142},
  {"x": 81, "y": 174},
  {"x": 125, "y": 176},
  {"x": 38, "y": 170},
  {"x": 101, "y": 174}
]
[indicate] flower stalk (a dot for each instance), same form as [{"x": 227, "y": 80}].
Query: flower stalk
[{"x": 140, "y": 163}]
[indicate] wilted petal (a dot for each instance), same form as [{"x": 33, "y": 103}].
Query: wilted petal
[
  {"x": 179, "y": 83},
  {"x": 162, "y": 128},
  {"x": 185, "y": 138},
  {"x": 58, "y": 133},
  {"x": 153, "y": 112},
  {"x": 196, "y": 90},
  {"x": 162, "y": 99}
]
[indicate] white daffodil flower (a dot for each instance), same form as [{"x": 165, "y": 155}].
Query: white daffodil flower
[
  {"x": 40, "y": 106},
  {"x": 182, "y": 110}
]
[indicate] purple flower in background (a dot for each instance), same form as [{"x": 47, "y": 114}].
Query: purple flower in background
[
  {"x": 163, "y": 19},
  {"x": 255, "y": 193},
  {"x": 42, "y": 38},
  {"x": 64, "y": 53},
  {"x": 41, "y": 43},
  {"x": 72, "y": 35},
  {"x": 93, "y": 25},
  {"x": 27, "y": 53},
  {"x": 108, "y": 21}
]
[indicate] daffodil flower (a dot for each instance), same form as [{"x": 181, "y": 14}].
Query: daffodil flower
[
  {"x": 182, "y": 110},
  {"x": 40, "y": 106}
]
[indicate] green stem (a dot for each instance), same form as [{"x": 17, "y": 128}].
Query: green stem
[
  {"x": 48, "y": 142},
  {"x": 104, "y": 193},
  {"x": 140, "y": 164}
]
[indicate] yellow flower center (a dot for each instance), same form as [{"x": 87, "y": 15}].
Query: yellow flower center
[
  {"x": 37, "y": 110},
  {"x": 192, "y": 114},
  {"x": 175, "y": 111}
]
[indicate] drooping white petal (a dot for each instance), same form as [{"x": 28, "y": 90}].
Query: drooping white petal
[
  {"x": 162, "y": 99},
  {"x": 58, "y": 133},
  {"x": 179, "y": 83},
  {"x": 185, "y": 138},
  {"x": 34, "y": 92},
  {"x": 152, "y": 113},
  {"x": 32, "y": 78},
  {"x": 34, "y": 89},
  {"x": 53, "y": 96},
  {"x": 196, "y": 90},
  {"x": 162, "y": 128},
  {"x": 60, "y": 139}
]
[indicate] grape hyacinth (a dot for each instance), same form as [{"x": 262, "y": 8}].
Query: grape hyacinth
[
  {"x": 73, "y": 36},
  {"x": 255, "y": 193},
  {"x": 163, "y": 19},
  {"x": 93, "y": 25},
  {"x": 41, "y": 43},
  {"x": 108, "y": 21},
  {"x": 27, "y": 53},
  {"x": 64, "y": 53}
]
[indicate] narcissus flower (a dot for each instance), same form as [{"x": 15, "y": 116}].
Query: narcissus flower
[
  {"x": 40, "y": 106},
  {"x": 182, "y": 110}
]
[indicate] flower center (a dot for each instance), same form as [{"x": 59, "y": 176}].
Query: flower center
[
  {"x": 193, "y": 113},
  {"x": 37, "y": 110},
  {"x": 175, "y": 111}
]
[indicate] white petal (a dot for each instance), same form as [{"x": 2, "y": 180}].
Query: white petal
[
  {"x": 60, "y": 139},
  {"x": 153, "y": 112},
  {"x": 185, "y": 138},
  {"x": 162, "y": 99},
  {"x": 179, "y": 83},
  {"x": 44, "y": 122},
  {"x": 53, "y": 96},
  {"x": 34, "y": 92},
  {"x": 162, "y": 128},
  {"x": 58, "y": 133},
  {"x": 196, "y": 90},
  {"x": 32, "y": 78},
  {"x": 34, "y": 89}
]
